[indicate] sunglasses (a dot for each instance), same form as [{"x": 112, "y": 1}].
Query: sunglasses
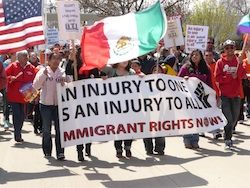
[
  {"x": 229, "y": 47},
  {"x": 210, "y": 42}
]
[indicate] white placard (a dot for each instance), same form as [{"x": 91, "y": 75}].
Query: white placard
[
  {"x": 196, "y": 37},
  {"x": 131, "y": 107},
  {"x": 174, "y": 36},
  {"x": 69, "y": 20}
]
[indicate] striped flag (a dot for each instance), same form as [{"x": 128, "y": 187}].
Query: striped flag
[
  {"x": 21, "y": 25},
  {"x": 244, "y": 25},
  {"x": 121, "y": 38}
]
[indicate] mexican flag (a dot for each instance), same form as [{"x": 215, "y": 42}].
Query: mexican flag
[{"x": 121, "y": 38}]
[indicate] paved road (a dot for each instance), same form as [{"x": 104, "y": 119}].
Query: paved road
[{"x": 23, "y": 165}]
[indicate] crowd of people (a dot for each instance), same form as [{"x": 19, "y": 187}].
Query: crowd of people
[{"x": 223, "y": 72}]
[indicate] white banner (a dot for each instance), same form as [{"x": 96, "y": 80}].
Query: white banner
[
  {"x": 132, "y": 107},
  {"x": 69, "y": 20}
]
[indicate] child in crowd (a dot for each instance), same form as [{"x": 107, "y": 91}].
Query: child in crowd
[
  {"x": 120, "y": 69},
  {"x": 168, "y": 65},
  {"x": 136, "y": 66},
  {"x": 157, "y": 69}
]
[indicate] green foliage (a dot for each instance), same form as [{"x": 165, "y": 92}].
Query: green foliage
[{"x": 222, "y": 22}]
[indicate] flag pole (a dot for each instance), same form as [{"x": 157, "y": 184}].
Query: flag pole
[
  {"x": 243, "y": 50},
  {"x": 244, "y": 44},
  {"x": 157, "y": 57},
  {"x": 74, "y": 58},
  {"x": 45, "y": 31}
]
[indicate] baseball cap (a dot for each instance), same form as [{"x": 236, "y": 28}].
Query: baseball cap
[{"x": 228, "y": 43}]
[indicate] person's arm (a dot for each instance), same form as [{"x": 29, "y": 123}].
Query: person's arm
[
  {"x": 241, "y": 73},
  {"x": 108, "y": 70},
  {"x": 3, "y": 77},
  {"x": 209, "y": 78},
  {"x": 183, "y": 71},
  {"x": 40, "y": 78},
  {"x": 219, "y": 74},
  {"x": 69, "y": 70}
]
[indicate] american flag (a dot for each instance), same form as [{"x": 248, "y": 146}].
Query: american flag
[{"x": 21, "y": 25}]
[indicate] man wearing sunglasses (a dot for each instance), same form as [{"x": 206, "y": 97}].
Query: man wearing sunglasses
[
  {"x": 210, "y": 47},
  {"x": 229, "y": 72}
]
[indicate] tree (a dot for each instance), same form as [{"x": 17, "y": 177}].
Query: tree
[
  {"x": 120, "y": 7},
  {"x": 176, "y": 7},
  {"x": 242, "y": 7},
  {"x": 222, "y": 22},
  {"x": 111, "y": 7}
]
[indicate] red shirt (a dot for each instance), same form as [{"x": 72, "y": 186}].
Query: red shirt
[
  {"x": 224, "y": 68},
  {"x": 29, "y": 73}
]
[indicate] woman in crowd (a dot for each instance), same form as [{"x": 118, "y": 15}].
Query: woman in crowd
[
  {"x": 19, "y": 73},
  {"x": 195, "y": 67},
  {"x": 46, "y": 80}
]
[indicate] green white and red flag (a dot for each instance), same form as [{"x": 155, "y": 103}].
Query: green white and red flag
[{"x": 121, "y": 38}]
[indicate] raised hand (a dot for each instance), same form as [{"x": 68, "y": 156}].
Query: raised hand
[{"x": 200, "y": 93}]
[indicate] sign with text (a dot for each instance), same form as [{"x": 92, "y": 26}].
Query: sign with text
[
  {"x": 175, "y": 17},
  {"x": 131, "y": 107},
  {"x": 174, "y": 36},
  {"x": 69, "y": 20},
  {"x": 196, "y": 37},
  {"x": 52, "y": 36}
]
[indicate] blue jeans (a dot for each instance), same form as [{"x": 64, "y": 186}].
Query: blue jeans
[
  {"x": 118, "y": 145},
  {"x": 247, "y": 95},
  {"x": 231, "y": 109},
  {"x": 191, "y": 139},
  {"x": 48, "y": 114},
  {"x": 18, "y": 118},
  {"x": 6, "y": 108},
  {"x": 159, "y": 144}
]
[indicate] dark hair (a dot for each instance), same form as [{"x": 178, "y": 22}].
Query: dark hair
[
  {"x": 202, "y": 66},
  {"x": 127, "y": 68},
  {"x": 208, "y": 51},
  {"x": 52, "y": 54},
  {"x": 135, "y": 61},
  {"x": 79, "y": 60},
  {"x": 211, "y": 38}
]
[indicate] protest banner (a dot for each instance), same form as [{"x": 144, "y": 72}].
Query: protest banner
[
  {"x": 174, "y": 36},
  {"x": 131, "y": 107},
  {"x": 196, "y": 37}
]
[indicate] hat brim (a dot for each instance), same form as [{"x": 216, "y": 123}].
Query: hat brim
[{"x": 228, "y": 45}]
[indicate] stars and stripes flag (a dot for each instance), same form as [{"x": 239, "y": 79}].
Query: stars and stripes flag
[{"x": 21, "y": 25}]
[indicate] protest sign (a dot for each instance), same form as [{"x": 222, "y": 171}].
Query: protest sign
[
  {"x": 175, "y": 17},
  {"x": 132, "y": 107},
  {"x": 69, "y": 20},
  {"x": 196, "y": 37},
  {"x": 174, "y": 36},
  {"x": 52, "y": 36}
]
